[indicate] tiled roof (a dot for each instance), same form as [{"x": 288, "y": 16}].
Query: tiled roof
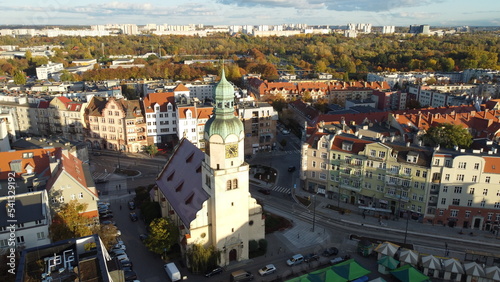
[
  {"x": 40, "y": 161},
  {"x": 64, "y": 100},
  {"x": 180, "y": 181},
  {"x": 492, "y": 165},
  {"x": 358, "y": 144},
  {"x": 161, "y": 98},
  {"x": 181, "y": 87}
]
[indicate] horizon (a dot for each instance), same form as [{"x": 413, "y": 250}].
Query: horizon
[{"x": 441, "y": 13}]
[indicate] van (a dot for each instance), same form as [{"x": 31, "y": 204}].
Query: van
[
  {"x": 172, "y": 272},
  {"x": 241, "y": 275},
  {"x": 296, "y": 259}
]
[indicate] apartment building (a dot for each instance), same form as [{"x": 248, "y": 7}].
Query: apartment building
[
  {"x": 45, "y": 71},
  {"x": 161, "y": 117},
  {"x": 259, "y": 121},
  {"x": 192, "y": 117},
  {"x": 66, "y": 118},
  {"x": 32, "y": 220},
  {"x": 115, "y": 124}
]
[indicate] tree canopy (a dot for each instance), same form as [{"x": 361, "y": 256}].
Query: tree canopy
[
  {"x": 163, "y": 234},
  {"x": 447, "y": 135},
  {"x": 69, "y": 223}
]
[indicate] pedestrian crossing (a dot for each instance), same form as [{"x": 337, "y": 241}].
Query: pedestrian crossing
[
  {"x": 292, "y": 152},
  {"x": 281, "y": 189}
]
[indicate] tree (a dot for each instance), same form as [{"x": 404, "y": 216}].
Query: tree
[
  {"x": 163, "y": 234},
  {"x": 19, "y": 77},
  {"x": 69, "y": 223},
  {"x": 107, "y": 233},
  {"x": 447, "y": 135},
  {"x": 152, "y": 150},
  {"x": 413, "y": 104},
  {"x": 202, "y": 259}
]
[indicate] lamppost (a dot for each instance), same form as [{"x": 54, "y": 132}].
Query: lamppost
[
  {"x": 406, "y": 229},
  {"x": 314, "y": 211}
]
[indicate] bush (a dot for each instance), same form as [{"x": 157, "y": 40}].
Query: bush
[
  {"x": 253, "y": 246},
  {"x": 263, "y": 245}
]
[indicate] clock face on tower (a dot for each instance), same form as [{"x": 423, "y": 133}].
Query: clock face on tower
[{"x": 231, "y": 151}]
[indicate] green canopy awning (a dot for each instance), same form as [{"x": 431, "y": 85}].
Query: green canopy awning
[
  {"x": 408, "y": 273},
  {"x": 388, "y": 262},
  {"x": 322, "y": 275},
  {"x": 350, "y": 269}
]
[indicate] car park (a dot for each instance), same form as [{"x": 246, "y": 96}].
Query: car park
[
  {"x": 311, "y": 257},
  {"x": 295, "y": 259},
  {"x": 330, "y": 252},
  {"x": 268, "y": 269},
  {"x": 133, "y": 216},
  {"x": 215, "y": 271},
  {"x": 131, "y": 205}
]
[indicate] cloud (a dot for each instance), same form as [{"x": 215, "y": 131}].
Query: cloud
[
  {"x": 119, "y": 8},
  {"x": 336, "y": 5}
]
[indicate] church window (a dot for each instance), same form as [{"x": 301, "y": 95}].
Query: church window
[
  {"x": 229, "y": 185},
  {"x": 235, "y": 183}
]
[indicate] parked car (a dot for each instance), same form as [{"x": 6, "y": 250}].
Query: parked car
[
  {"x": 108, "y": 222},
  {"x": 265, "y": 191},
  {"x": 133, "y": 216},
  {"x": 120, "y": 247},
  {"x": 330, "y": 252},
  {"x": 311, "y": 257},
  {"x": 296, "y": 259},
  {"x": 215, "y": 271},
  {"x": 126, "y": 263},
  {"x": 268, "y": 269},
  {"x": 106, "y": 216},
  {"x": 130, "y": 275},
  {"x": 131, "y": 205},
  {"x": 143, "y": 237},
  {"x": 285, "y": 132}
]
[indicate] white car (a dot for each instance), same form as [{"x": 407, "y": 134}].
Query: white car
[{"x": 268, "y": 269}]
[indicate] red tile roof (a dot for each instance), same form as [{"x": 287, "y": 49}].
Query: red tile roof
[
  {"x": 181, "y": 87},
  {"x": 40, "y": 160},
  {"x": 492, "y": 164},
  {"x": 161, "y": 98}
]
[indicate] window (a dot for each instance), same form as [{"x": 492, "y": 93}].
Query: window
[
  {"x": 483, "y": 202},
  {"x": 445, "y": 189},
  {"x": 436, "y": 162},
  {"x": 381, "y": 154},
  {"x": 487, "y": 180},
  {"x": 40, "y": 235},
  {"x": 372, "y": 153},
  {"x": 471, "y": 191},
  {"x": 476, "y": 166},
  {"x": 496, "y": 205},
  {"x": 229, "y": 185},
  {"x": 456, "y": 202},
  {"x": 314, "y": 153},
  {"x": 323, "y": 165},
  {"x": 458, "y": 190},
  {"x": 407, "y": 171},
  {"x": 4, "y": 243},
  {"x": 485, "y": 192},
  {"x": 447, "y": 177},
  {"x": 324, "y": 155},
  {"x": 441, "y": 212},
  {"x": 467, "y": 214},
  {"x": 322, "y": 176},
  {"x": 73, "y": 196},
  {"x": 20, "y": 239},
  {"x": 80, "y": 196},
  {"x": 460, "y": 177},
  {"x": 474, "y": 178},
  {"x": 469, "y": 203},
  {"x": 424, "y": 174},
  {"x": 462, "y": 165},
  {"x": 61, "y": 199},
  {"x": 235, "y": 183},
  {"x": 417, "y": 173},
  {"x": 443, "y": 201}
]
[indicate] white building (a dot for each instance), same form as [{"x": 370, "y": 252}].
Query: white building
[
  {"x": 45, "y": 71},
  {"x": 32, "y": 220},
  {"x": 161, "y": 117},
  {"x": 388, "y": 29}
]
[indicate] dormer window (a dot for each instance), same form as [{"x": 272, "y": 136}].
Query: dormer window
[
  {"x": 412, "y": 157},
  {"x": 347, "y": 145}
]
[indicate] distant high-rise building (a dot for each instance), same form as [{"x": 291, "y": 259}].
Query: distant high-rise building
[
  {"x": 420, "y": 29},
  {"x": 388, "y": 29}
]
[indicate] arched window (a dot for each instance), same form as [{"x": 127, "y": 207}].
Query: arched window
[
  {"x": 228, "y": 185},
  {"x": 235, "y": 183}
]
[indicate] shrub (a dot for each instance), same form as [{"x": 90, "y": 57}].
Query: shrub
[
  {"x": 253, "y": 246},
  {"x": 263, "y": 245}
]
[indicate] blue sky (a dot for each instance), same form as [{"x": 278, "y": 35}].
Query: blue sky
[{"x": 253, "y": 12}]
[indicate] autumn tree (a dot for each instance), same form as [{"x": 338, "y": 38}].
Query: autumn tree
[
  {"x": 447, "y": 135},
  {"x": 19, "y": 77},
  {"x": 201, "y": 259},
  {"x": 68, "y": 222},
  {"x": 163, "y": 234}
]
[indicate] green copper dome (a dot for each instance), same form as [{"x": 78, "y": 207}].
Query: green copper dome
[{"x": 224, "y": 122}]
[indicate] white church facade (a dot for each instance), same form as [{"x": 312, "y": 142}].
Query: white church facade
[{"x": 206, "y": 194}]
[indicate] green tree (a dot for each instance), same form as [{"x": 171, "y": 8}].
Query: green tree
[
  {"x": 152, "y": 150},
  {"x": 202, "y": 259},
  {"x": 163, "y": 234},
  {"x": 19, "y": 77},
  {"x": 107, "y": 233},
  {"x": 69, "y": 223},
  {"x": 447, "y": 135}
]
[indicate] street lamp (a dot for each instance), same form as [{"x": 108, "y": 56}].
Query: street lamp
[
  {"x": 314, "y": 211},
  {"x": 406, "y": 229}
]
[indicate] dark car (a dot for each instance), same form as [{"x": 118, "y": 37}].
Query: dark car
[
  {"x": 130, "y": 275},
  {"x": 143, "y": 237},
  {"x": 131, "y": 205},
  {"x": 330, "y": 252},
  {"x": 291, "y": 168},
  {"x": 215, "y": 271},
  {"x": 126, "y": 263},
  {"x": 106, "y": 216},
  {"x": 133, "y": 216},
  {"x": 265, "y": 191},
  {"x": 311, "y": 257}
]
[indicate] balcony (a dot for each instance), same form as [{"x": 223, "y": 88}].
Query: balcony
[
  {"x": 351, "y": 163},
  {"x": 350, "y": 175},
  {"x": 352, "y": 187},
  {"x": 397, "y": 197},
  {"x": 434, "y": 191}
]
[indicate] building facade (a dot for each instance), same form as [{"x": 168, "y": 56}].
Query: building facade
[{"x": 259, "y": 121}]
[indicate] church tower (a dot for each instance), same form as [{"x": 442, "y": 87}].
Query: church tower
[{"x": 234, "y": 217}]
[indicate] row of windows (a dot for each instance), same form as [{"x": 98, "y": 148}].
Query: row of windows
[
  {"x": 162, "y": 122},
  {"x": 455, "y": 213},
  {"x": 456, "y": 202},
  {"x": 61, "y": 198},
  {"x": 160, "y": 115}
]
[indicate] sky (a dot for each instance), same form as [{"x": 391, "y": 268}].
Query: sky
[{"x": 252, "y": 12}]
